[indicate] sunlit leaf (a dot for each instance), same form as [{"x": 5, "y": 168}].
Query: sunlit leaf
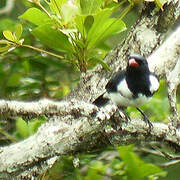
[
  {"x": 4, "y": 42},
  {"x": 103, "y": 27},
  {"x": 35, "y": 16},
  {"x": 69, "y": 11},
  {"x": 8, "y": 35},
  {"x": 22, "y": 128},
  {"x": 18, "y": 31},
  {"x": 90, "y": 6},
  {"x": 56, "y": 5},
  {"x": 53, "y": 38},
  {"x": 136, "y": 168},
  {"x": 4, "y": 48}
]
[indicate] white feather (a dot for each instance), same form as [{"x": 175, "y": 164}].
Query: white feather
[
  {"x": 124, "y": 97},
  {"x": 123, "y": 89},
  {"x": 154, "y": 83},
  {"x": 120, "y": 100}
]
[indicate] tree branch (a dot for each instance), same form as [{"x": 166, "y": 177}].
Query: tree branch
[
  {"x": 9, "y": 6},
  {"x": 69, "y": 133},
  {"x": 74, "y": 125}
]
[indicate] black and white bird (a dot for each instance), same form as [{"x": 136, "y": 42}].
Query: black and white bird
[{"x": 133, "y": 86}]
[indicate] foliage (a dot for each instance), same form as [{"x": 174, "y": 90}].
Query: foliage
[
  {"x": 124, "y": 164},
  {"x": 72, "y": 29},
  {"x": 25, "y": 129},
  {"x": 75, "y": 29}
]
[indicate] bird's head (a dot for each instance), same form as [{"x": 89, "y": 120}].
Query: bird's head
[{"x": 137, "y": 62}]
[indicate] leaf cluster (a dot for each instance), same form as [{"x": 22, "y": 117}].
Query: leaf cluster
[
  {"x": 76, "y": 30},
  {"x": 120, "y": 164}
]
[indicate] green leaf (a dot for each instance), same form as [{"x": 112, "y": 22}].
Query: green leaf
[
  {"x": 53, "y": 38},
  {"x": 69, "y": 11},
  {"x": 79, "y": 22},
  {"x": 88, "y": 23},
  {"x": 8, "y": 35},
  {"x": 35, "y": 16},
  {"x": 5, "y": 46},
  {"x": 35, "y": 124},
  {"x": 96, "y": 170},
  {"x": 56, "y": 5},
  {"x": 18, "y": 31},
  {"x": 22, "y": 128},
  {"x": 90, "y": 6},
  {"x": 136, "y": 168},
  {"x": 7, "y": 23},
  {"x": 14, "y": 80},
  {"x": 103, "y": 27}
]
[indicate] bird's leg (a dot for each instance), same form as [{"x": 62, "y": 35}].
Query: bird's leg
[
  {"x": 145, "y": 118},
  {"x": 124, "y": 113}
]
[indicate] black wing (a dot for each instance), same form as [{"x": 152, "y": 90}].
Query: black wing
[
  {"x": 114, "y": 81},
  {"x": 101, "y": 101}
]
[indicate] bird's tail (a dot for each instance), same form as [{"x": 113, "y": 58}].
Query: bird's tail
[{"x": 101, "y": 101}]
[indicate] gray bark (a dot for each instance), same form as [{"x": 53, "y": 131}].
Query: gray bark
[{"x": 77, "y": 125}]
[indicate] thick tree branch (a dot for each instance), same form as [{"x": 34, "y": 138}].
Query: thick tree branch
[
  {"x": 69, "y": 133},
  {"x": 173, "y": 80}
]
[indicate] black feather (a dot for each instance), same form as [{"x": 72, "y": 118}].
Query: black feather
[
  {"x": 112, "y": 84},
  {"x": 101, "y": 101}
]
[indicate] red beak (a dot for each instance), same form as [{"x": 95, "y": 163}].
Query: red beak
[{"x": 132, "y": 62}]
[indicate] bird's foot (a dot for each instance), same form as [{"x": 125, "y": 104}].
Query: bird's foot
[
  {"x": 146, "y": 120},
  {"x": 124, "y": 116}
]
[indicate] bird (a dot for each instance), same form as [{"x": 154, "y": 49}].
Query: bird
[{"x": 133, "y": 86}]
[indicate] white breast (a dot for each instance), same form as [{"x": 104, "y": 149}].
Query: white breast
[
  {"x": 120, "y": 100},
  {"x": 124, "y": 97}
]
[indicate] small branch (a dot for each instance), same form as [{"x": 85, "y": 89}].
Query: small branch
[
  {"x": 158, "y": 152},
  {"x": 7, "y": 136},
  {"x": 150, "y": 151},
  {"x": 174, "y": 159},
  {"x": 40, "y": 5},
  {"x": 9, "y": 6},
  {"x": 30, "y": 110},
  {"x": 170, "y": 163},
  {"x": 41, "y": 51}
]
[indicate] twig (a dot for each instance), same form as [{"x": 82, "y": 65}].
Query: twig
[
  {"x": 8, "y": 136},
  {"x": 9, "y": 6},
  {"x": 170, "y": 163}
]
